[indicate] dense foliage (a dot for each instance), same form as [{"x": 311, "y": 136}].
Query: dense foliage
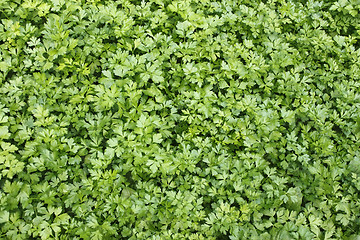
[{"x": 185, "y": 119}]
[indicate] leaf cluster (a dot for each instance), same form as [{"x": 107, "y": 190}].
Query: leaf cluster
[{"x": 178, "y": 119}]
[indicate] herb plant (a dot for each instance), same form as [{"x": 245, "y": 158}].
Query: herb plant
[{"x": 184, "y": 119}]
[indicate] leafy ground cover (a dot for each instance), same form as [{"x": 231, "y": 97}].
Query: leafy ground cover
[{"x": 185, "y": 119}]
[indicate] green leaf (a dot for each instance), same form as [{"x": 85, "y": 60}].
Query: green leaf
[
  {"x": 4, "y": 132},
  {"x": 4, "y": 216},
  {"x": 157, "y": 138}
]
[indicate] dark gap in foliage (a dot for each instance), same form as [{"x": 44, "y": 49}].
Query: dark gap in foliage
[
  {"x": 235, "y": 204},
  {"x": 115, "y": 109},
  {"x": 45, "y": 55},
  {"x": 217, "y": 90},
  {"x": 201, "y": 165},
  {"x": 337, "y": 129},
  {"x": 222, "y": 236},
  {"x": 235, "y": 147},
  {"x": 110, "y": 40},
  {"x": 10, "y": 74},
  {"x": 207, "y": 204},
  {"x": 130, "y": 180}
]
